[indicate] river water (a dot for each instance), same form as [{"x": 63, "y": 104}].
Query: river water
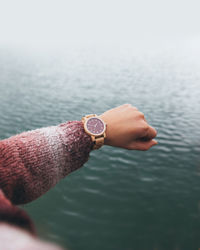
[{"x": 120, "y": 200}]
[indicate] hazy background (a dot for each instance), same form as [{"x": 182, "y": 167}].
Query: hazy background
[
  {"x": 50, "y": 22},
  {"x": 62, "y": 59}
]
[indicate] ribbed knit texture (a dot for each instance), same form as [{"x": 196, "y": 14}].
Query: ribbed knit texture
[{"x": 34, "y": 161}]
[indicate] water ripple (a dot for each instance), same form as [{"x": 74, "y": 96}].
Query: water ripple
[{"x": 120, "y": 198}]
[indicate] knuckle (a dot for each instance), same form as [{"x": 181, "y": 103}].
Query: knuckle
[
  {"x": 127, "y": 105},
  {"x": 145, "y": 127},
  {"x": 134, "y": 108},
  {"x": 140, "y": 114},
  {"x": 133, "y": 111}
]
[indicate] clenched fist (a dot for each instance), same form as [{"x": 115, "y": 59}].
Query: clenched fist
[{"x": 127, "y": 128}]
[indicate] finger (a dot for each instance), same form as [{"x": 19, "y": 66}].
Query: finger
[
  {"x": 152, "y": 133},
  {"x": 145, "y": 131},
  {"x": 144, "y": 145}
]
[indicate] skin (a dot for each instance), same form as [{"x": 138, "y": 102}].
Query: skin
[{"x": 127, "y": 128}]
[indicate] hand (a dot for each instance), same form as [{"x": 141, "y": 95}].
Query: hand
[{"x": 127, "y": 128}]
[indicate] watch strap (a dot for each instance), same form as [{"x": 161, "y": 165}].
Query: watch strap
[{"x": 98, "y": 141}]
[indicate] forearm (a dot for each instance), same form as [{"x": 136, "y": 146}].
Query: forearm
[{"x": 33, "y": 162}]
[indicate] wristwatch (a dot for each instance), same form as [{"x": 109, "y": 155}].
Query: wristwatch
[{"x": 95, "y": 127}]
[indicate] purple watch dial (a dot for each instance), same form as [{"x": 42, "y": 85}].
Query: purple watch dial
[{"x": 95, "y": 125}]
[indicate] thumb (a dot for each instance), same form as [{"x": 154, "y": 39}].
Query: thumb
[{"x": 144, "y": 145}]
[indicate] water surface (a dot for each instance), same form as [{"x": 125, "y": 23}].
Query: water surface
[{"x": 120, "y": 199}]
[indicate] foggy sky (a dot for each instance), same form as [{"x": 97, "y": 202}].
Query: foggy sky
[{"x": 68, "y": 21}]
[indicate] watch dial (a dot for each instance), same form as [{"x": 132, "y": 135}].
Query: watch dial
[{"x": 95, "y": 125}]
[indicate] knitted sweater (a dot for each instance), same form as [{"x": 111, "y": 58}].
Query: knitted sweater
[{"x": 33, "y": 162}]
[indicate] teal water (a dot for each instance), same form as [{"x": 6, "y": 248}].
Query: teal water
[{"x": 120, "y": 199}]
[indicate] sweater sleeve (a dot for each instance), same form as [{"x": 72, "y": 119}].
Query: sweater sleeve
[
  {"x": 14, "y": 215},
  {"x": 34, "y": 161}
]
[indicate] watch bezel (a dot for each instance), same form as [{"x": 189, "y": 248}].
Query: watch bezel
[{"x": 90, "y": 133}]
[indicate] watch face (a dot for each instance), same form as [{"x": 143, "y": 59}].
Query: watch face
[{"x": 95, "y": 126}]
